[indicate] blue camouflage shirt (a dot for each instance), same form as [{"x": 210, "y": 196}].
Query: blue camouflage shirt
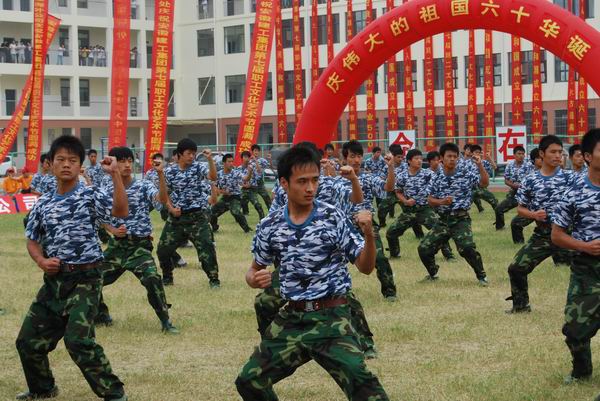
[
  {"x": 36, "y": 181},
  {"x": 257, "y": 178},
  {"x": 152, "y": 176},
  {"x": 415, "y": 186},
  {"x": 67, "y": 224},
  {"x": 96, "y": 174},
  {"x": 516, "y": 173},
  {"x": 583, "y": 172},
  {"x": 579, "y": 208},
  {"x": 313, "y": 255},
  {"x": 332, "y": 191},
  {"x": 47, "y": 184},
  {"x": 376, "y": 167},
  {"x": 538, "y": 192},
  {"x": 372, "y": 187},
  {"x": 186, "y": 187},
  {"x": 458, "y": 185},
  {"x": 231, "y": 181}
]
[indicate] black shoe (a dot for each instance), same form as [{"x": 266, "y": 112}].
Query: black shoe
[
  {"x": 168, "y": 328},
  {"x": 28, "y": 395},
  {"x": 519, "y": 309},
  {"x": 499, "y": 227},
  {"x": 167, "y": 280},
  {"x": 215, "y": 228},
  {"x": 103, "y": 320},
  {"x": 214, "y": 285}
]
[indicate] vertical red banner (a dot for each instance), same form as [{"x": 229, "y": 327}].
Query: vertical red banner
[
  {"x": 472, "y": 89},
  {"x": 330, "y": 52},
  {"x": 257, "y": 76},
  {"x": 297, "y": 48},
  {"x": 571, "y": 97},
  {"x": 449, "y": 86},
  {"x": 161, "y": 77},
  {"x": 8, "y": 137},
  {"x": 280, "y": 77},
  {"x": 314, "y": 45},
  {"x": 582, "y": 91},
  {"x": 409, "y": 102},
  {"x": 429, "y": 96},
  {"x": 370, "y": 89},
  {"x": 537, "y": 114},
  {"x": 488, "y": 90},
  {"x": 119, "y": 98},
  {"x": 392, "y": 86},
  {"x": 517, "y": 87},
  {"x": 352, "y": 111}
]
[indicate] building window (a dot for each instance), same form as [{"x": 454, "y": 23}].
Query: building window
[
  {"x": 66, "y": 131},
  {"x": 362, "y": 90},
  {"x": 234, "y": 88},
  {"x": 359, "y": 21},
  {"x": 289, "y": 3},
  {"x": 63, "y": 3},
  {"x": 84, "y": 92},
  {"x": 82, "y": 3},
  {"x": 527, "y": 67},
  {"x": 206, "y": 90},
  {"x": 438, "y": 72},
  {"x": 528, "y": 122},
  {"x": 287, "y": 33},
  {"x": 560, "y": 122},
  {"x": 561, "y": 70},
  {"x": 232, "y": 133},
  {"x": 589, "y": 7},
  {"x": 591, "y": 118},
  {"x": 322, "y": 29},
  {"x": 25, "y": 5},
  {"x": 85, "y": 134},
  {"x": 265, "y": 133},
  {"x": 63, "y": 39},
  {"x": 205, "y": 9},
  {"x": 234, "y": 7},
  {"x": 206, "y": 42},
  {"x": 289, "y": 84},
  {"x": 47, "y": 87},
  {"x": 361, "y": 127},
  {"x": 234, "y": 39},
  {"x": 65, "y": 92},
  {"x": 290, "y": 130},
  {"x": 479, "y": 70},
  {"x": 400, "y": 75}
]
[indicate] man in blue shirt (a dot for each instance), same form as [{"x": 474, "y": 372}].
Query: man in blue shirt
[
  {"x": 515, "y": 172},
  {"x": 578, "y": 165},
  {"x": 62, "y": 240},
  {"x": 518, "y": 223},
  {"x": 483, "y": 193},
  {"x": 249, "y": 187},
  {"x": 451, "y": 193},
  {"x": 313, "y": 243},
  {"x": 260, "y": 177}
]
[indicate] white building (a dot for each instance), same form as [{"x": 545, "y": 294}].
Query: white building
[{"x": 211, "y": 51}]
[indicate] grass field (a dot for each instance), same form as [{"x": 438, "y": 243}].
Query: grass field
[{"x": 449, "y": 340}]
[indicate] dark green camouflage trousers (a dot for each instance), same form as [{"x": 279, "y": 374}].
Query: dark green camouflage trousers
[
  {"x": 66, "y": 306},
  {"x": 231, "y": 203},
  {"x": 582, "y": 311},
  {"x": 411, "y": 216},
  {"x": 385, "y": 207},
  {"x": 195, "y": 227},
  {"x": 535, "y": 251},
  {"x": 251, "y": 195},
  {"x": 456, "y": 225},
  {"x": 385, "y": 275},
  {"x": 484, "y": 193},
  {"x": 517, "y": 226},
  {"x": 135, "y": 255},
  {"x": 509, "y": 203},
  {"x": 295, "y": 338},
  {"x": 264, "y": 194}
]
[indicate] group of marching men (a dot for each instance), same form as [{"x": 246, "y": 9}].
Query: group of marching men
[{"x": 320, "y": 218}]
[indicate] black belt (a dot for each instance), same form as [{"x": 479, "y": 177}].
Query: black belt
[
  {"x": 133, "y": 238},
  {"x": 192, "y": 210},
  {"x": 456, "y": 213},
  {"x": 69, "y": 268},
  {"x": 317, "y": 304}
]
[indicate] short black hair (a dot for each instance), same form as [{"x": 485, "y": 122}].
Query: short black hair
[
  {"x": 432, "y": 155},
  {"x": 174, "y": 152},
  {"x": 254, "y": 147},
  {"x": 186, "y": 144},
  {"x": 297, "y": 156},
  {"x": 467, "y": 146},
  {"x": 548, "y": 140},
  {"x": 534, "y": 154},
  {"x": 518, "y": 148},
  {"x": 121, "y": 153},
  {"x": 43, "y": 157},
  {"x": 157, "y": 156},
  {"x": 352, "y": 146},
  {"x": 475, "y": 148},
  {"x": 246, "y": 153},
  {"x": 376, "y": 149},
  {"x": 328, "y": 146},
  {"x": 449, "y": 147},
  {"x": 309, "y": 145},
  {"x": 589, "y": 141},
  {"x": 574, "y": 149},
  {"x": 92, "y": 152},
  {"x": 396, "y": 150},
  {"x": 227, "y": 156},
  {"x": 70, "y": 143},
  {"x": 412, "y": 153}
]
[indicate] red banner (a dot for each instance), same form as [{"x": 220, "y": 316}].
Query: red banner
[
  {"x": 257, "y": 77},
  {"x": 472, "y": 89},
  {"x": 571, "y": 97},
  {"x": 488, "y": 83},
  {"x": 392, "y": 86},
  {"x": 161, "y": 79},
  {"x": 370, "y": 89},
  {"x": 297, "y": 44},
  {"x": 352, "y": 111},
  {"x": 314, "y": 45},
  {"x": 537, "y": 115},
  {"x": 449, "y": 86},
  {"x": 582, "y": 90},
  {"x": 429, "y": 95},
  {"x": 409, "y": 103},
  {"x": 117, "y": 131},
  {"x": 7, "y": 206},
  {"x": 25, "y": 202},
  {"x": 280, "y": 77},
  {"x": 517, "y": 88},
  {"x": 36, "y": 101},
  {"x": 330, "y": 52},
  {"x": 8, "y": 137}
]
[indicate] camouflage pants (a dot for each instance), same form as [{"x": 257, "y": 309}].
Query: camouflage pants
[
  {"x": 385, "y": 207},
  {"x": 251, "y": 195},
  {"x": 582, "y": 311},
  {"x": 264, "y": 194},
  {"x": 457, "y": 227},
  {"x": 135, "y": 256},
  {"x": 411, "y": 216},
  {"x": 103, "y": 235},
  {"x": 268, "y": 303},
  {"x": 66, "y": 306},
  {"x": 509, "y": 203},
  {"x": 193, "y": 226},
  {"x": 294, "y": 338},
  {"x": 535, "y": 251},
  {"x": 385, "y": 275},
  {"x": 517, "y": 225},
  {"x": 164, "y": 215},
  {"x": 486, "y": 195},
  {"x": 231, "y": 203}
]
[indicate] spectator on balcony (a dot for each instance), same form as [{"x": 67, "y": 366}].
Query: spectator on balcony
[
  {"x": 21, "y": 52},
  {"x": 4, "y": 52},
  {"x": 101, "y": 57},
  {"x": 83, "y": 55},
  {"x": 133, "y": 58},
  {"x": 13, "y": 52},
  {"x": 60, "y": 52},
  {"x": 29, "y": 53},
  {"x": 93, "y": 56}
]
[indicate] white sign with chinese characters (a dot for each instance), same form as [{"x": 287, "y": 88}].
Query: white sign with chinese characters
[
  {"x": 507, "y": 138},
  {"x": 406, "y": 139}
]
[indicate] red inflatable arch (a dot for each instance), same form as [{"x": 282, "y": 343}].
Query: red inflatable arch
[{"x": 538, "y": 21}]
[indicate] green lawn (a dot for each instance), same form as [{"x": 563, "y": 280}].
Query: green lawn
[{"x": 449, "y": 340}]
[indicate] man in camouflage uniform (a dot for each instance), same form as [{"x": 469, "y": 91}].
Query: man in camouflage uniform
[
  {"x": 412, "y": 187},
  {"x": 315, "y": 324},
  {"x": 537, "y": 196},
  {"x": 229, "y": 184},
  {"x": 518, "y": 223},
  {"x": 578, "y": 211},
  {"x": 187, "y": 182},
  {"x": 130, "y": 248},
  {"x": 377, "y": 165},
  {"x": 578, "y": 165},
  {"x": 483, "y": 193},
  {"x": 451, "y": 193},
  {"x": 249, "y": 188},
  {"x": 96, "y": 175},
  {"x": 515, "y": 172},
  {"x": 260, "y": 179},
  {"x": 67, "y": 303}
]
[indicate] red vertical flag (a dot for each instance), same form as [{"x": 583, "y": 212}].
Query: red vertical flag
[
  {"x": 280, "y": 77},
  {"x": 488, "y": 82},
  {"x": 392, "y": 86},
  {"x": 571, "y": 97},
  {"x": 370, "y": 89},
  {"x": 329, "y": 32},
  {"x": 297, "y": 45},
  {"x": 161, "y": 78},
  {"x": 582, "y": 91},
  {"x": 117, "y": 132},
  {"x": 517, "y": 88},
  {"x": 314, "y": 45},
  {"x": 35, "y": 132},
  {"x": 449, "y": 86},
  {"x": 429, "y": 96},
  {"x": 352, "y": 112},
  {"x": 472, "y": 89},
  {"x": 409, "y": 103},
  {"x": 537, "y": 116}
]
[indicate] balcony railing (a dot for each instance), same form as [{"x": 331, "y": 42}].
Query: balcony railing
[
  {"x": 63, "y": 108},
  {"x": 54, "y": 57},
  {"x": 94, "y": 108},
  {"x": 52, "y": 108}
]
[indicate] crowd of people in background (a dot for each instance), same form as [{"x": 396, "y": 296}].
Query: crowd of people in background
[{"x": 94, "y": 56}]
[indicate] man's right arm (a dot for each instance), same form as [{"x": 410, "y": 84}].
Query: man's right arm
[{"x": 258, "y": 276}]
